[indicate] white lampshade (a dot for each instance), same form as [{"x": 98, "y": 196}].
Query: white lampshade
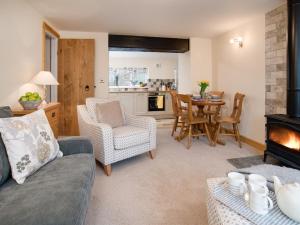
[{"x": 44, "y": 78}]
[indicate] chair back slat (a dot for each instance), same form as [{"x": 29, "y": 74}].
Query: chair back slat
[
  {"x": 174, "y": 103},
  {"x": 237, "y": 106},
  {"x": 185, "y": 106}
]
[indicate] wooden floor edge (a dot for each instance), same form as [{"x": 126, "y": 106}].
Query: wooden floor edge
[{"x": 259, "y": 146}]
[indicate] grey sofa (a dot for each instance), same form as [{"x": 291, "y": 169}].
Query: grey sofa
[{"x": 57, "y": 194}]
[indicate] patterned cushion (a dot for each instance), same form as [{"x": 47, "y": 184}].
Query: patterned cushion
[
  {"x": 29, "y": 143},
  {"x": 5, "y": 112},
  {"x": 128, "y": 136}
]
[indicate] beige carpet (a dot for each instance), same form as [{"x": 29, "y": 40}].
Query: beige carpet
[{"x": 169, "y": 190}]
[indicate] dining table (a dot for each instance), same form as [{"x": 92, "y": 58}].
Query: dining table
[
  {"x": 201, "y": 103},
  {"x": 217, "y": 104}
]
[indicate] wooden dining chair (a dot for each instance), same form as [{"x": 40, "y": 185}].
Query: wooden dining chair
[
  {"x": 211, "y": 111},
  {"x": 233, "y": 119},
  {"x": 191, "y": 122},
  {"x": 176, "y": 112}
]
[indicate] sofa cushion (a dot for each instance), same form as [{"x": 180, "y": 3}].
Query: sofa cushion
[
  {"x": 110, "y": 113},
  {"x": 128, "y": 136},
  {"x": 5, "y": 112},
  {"x": 57, "y": 194}
]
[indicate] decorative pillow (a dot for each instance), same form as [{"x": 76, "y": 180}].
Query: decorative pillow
[
  {"x": 5, "y": 112},
  {"x": 29, "y": 143},
  {"x": 110, "y": 113}
]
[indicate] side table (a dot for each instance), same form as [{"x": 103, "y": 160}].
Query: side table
[{"x": 52, "y": 113}]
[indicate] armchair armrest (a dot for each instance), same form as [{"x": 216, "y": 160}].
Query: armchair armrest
[
  {"x": 75, "y": 145},
  {"x": 100, "y": 134},
  {"x": 145, "y": 122}
]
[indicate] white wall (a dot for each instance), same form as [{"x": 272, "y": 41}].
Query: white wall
[
  {"x": 101, "y": 57},
  {"x": 21, "y": 49},
  {"x": 201, "y": 62},
  {"x": 167, "y": 62},
  {"x": 195, "y": 65},
  {"x": 184, "y": 73},
  {"x": 243, "y": 70}
]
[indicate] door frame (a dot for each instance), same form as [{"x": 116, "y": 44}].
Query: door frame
[{"x": 50, "y": 31}]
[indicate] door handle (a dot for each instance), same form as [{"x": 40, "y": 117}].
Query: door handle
[{"x": 87, "y": 88}]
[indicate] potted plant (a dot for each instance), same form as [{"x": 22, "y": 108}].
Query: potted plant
[{"x": 203, "y": 85}]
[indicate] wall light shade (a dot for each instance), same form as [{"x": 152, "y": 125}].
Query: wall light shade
[
  {"x": 237, "y": 40},
  {"x": 44, "y": 78}
]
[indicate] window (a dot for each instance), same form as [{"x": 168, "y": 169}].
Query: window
[{"x": 128, "y": 76}]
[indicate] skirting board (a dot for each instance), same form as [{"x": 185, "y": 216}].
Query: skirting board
[
  {"x": 254, "y": 144},
  {"x": 257, "y": 145}
]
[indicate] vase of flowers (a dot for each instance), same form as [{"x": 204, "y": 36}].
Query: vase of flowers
[{"x": 203, "y": 85}]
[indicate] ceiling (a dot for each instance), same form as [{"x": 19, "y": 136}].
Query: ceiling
[{"x": 164, "y": 18}]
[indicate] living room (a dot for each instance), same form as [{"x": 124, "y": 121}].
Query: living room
[{"x": 139, "y": 112}]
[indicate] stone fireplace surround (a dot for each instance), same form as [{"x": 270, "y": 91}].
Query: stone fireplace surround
[{"x": 276, "y": 58}]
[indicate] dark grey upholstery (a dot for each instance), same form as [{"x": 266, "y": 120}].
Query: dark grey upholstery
[
  {"x": 57, "y": 194},
  {"x": 5, "y": 112},
  {"x": 75, "y": 145}
]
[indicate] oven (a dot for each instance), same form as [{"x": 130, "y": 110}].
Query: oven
[{"x": 156, "y": 102}]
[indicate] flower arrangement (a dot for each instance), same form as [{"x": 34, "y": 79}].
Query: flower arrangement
[{"x": 203, "y": 85}]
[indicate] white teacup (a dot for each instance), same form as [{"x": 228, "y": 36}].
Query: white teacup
[
  {"x": 257, "y": 179},
  {"x": 259, "y": 201},
  {"x": 236, "y": 183}
]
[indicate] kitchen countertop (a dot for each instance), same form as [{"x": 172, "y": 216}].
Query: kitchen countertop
[{"x": 137, "y": 91}]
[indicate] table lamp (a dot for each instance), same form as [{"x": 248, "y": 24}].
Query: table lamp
[{"x": 45, "y": 78}]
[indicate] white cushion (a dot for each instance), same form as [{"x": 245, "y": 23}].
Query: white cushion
[
  {"x": 29, "y": 143},
  {"x": 110, "y": 113},
  {"x": 128, "y": 136},
  {"x": 91, "y": 106}
]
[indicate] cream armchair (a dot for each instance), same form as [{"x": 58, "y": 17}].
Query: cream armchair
[{"x": 111, "y": 145}]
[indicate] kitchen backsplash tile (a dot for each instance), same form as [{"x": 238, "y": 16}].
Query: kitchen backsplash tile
[{"x": 156, "y": 83}]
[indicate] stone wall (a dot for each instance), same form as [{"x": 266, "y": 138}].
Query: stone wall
[{"x": 276, "y": 58}]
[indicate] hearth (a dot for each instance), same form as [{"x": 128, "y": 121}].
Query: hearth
[
  {"x": 283, "y": 139},
  {"x": 283, "y": 131}
]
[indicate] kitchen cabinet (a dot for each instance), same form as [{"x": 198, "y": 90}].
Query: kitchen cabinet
[
  {"x": 168, "y": 103},
  {"x": 141, "y": 103},
  {"x": 135, "y": 103},
  {"x": 128, "y": 102}
]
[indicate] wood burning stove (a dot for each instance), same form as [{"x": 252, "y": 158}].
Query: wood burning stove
[
  {"x": 283, "y": 131},
  {"x": 283, "y": 139}
]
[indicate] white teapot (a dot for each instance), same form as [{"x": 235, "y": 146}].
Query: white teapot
[{"x": 288, "y": 198}]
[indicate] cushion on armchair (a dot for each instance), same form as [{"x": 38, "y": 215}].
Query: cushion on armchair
[
  {"x": 129, "y": 136},
  {"x": 110, "y": 113},
  {"x": 91, "y": 106}
]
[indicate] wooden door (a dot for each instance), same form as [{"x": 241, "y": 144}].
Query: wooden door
[{"x": 76, "y": 62}]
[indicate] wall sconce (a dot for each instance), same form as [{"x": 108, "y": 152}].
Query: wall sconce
[{"x": 237, "y": 40}]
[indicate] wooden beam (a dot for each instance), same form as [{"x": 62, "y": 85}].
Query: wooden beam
[{"x": 148, "y": 44}]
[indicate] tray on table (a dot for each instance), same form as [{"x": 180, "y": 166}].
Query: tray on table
[{"x": 239, "y": 205}]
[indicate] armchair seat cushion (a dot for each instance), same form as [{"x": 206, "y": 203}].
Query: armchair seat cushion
[{"x": 128, "y": 136}]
